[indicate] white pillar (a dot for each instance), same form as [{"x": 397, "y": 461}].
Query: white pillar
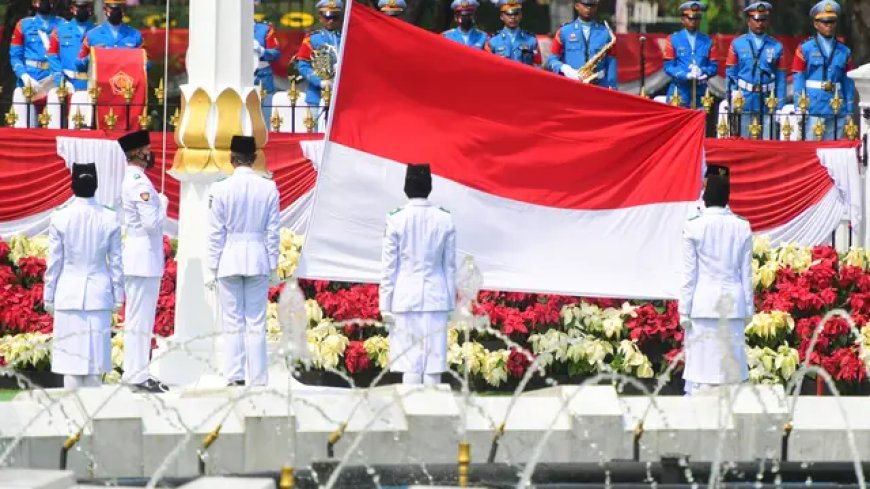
[
  {"x": 219, "y": 101},
  {"x": 861, "y": 76}
]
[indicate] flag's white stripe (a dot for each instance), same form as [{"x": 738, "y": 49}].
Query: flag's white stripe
[
  {"x": 633, "y": 252},
  {"x": 813, "y": 226}
]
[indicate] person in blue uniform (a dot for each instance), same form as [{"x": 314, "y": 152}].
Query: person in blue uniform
[
  {"x": 113, "y": 33},
  {"x": 756, "y": 67},
  {"x": 577, "y": 41},
  {"x": 393, "y": 8},
  {"x": 464, "y": 13},
  {"x": 66, "y": 44},
  {"x": 690, "y": 57},
  {"x": 329, "y": 14},
  {"x": 512, "y": 42},
  {"x": 820, "y": 65},
  {"x": 28, "y": 55}
]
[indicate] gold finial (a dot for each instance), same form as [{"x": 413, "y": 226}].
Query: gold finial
[
  {"x": 276, "y": 121},
  {"x": 837, "y": 101},
  {"x": 145, "y": 119},
  {"x": 803, "y": 102},
  {"x": 675, "y": 100},
  {"x": 463, "y": 461},
  {"x": 128, "y": 92},
  {"x": 94, "y": 93},
  {"x": 173, "y": 119},
  {"x": 642, "y": 92},
  {"x": 293, "y": 92},
  {"x": 287, "y": 480},
  {"x": 110, "y": 119},
  {"x": 819, "y": 129},
  {"x": 11, "y": 117},
  {"x": 771, "y": 103},
  {"x": 722, "y": 127},
  {"x": 309, "y": 121},
  {"x": 755, "y": 128},
  {"x": 326, "y": 95},
  {"x": 787, "y": 129},
  {"x": 263, "y": 92},
  {"x": 160, "y": 92},
  {"x": 44, "y": 118},
  {"x": 28, "y": 91},
  {"x": 851, "y": 129},
  {"x": 707, "y": 100},
  {"x": 78, "y": 119},
  {"x": 62, "y": 91},
  {"x": 739, "y": 101}
]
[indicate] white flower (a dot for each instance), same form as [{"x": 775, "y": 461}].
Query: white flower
[
  {"x": 378, "y": 350},
  {"x": 494, "y": 368}
]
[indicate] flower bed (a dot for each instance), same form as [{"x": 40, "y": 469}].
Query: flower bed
[{"x": 565, "y": 338}]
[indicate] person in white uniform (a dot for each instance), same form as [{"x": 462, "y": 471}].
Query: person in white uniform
[
  {"x": 418, "y": 281},
  {"x": 144, "y": 213},
  {"x": 716, "y": 299},
  {"x": 84, "y": 282},
  {"x": 243, "y": 245}
]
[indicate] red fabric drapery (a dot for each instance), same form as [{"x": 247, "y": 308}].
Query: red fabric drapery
[
  {"x": 772, "y": 182},
  {"x": 33, "y": 178}
]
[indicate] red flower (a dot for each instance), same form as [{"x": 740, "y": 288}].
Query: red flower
[
  {"x": 7, "y": 275},
  {"x": 518, "y": 362},
  {"x": 275, "y": 292},
  {"x": 673, "y": 354},
  {"x": 844, "y": 364},
  {"x": 355, "y": 357},
  {"x": 4, "y": 253},
  {"x": 167, "y": 248},
  {"x": 32, "y": 268}
]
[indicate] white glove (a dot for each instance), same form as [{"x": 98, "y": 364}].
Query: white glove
[
  {"x": 685, "y": 322},
  {"x": 258, "y": 49},
  {"x": 164, "y": 202},
  {"x": 389, "y": 319},
  {"x": 274, "y": 279},
  {"x": 570, "y": 72},
  {"x": 118, "y": 306},
  {"x": 326, "y": 84},
  {"x": 49, "y": 307},
  {"x": 702, "y": 77},
  {"x": 210, "y": 279},
  {"x": 691, "y": 75},
  {"x": 28, "y": 80}
]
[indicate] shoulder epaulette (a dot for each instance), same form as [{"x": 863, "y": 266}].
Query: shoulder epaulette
[
  {"x": 443, "y": 209},
  {"x": 694, "y": 217},
  {"x": 741, "y": 218},
  {"x": 62, "y": 206},
  {"x": 109, "y": 208},
  {"x": 221, "y": 179},
  {"x": 396, "y": 210},
  {"x": 137, "y": 176}
]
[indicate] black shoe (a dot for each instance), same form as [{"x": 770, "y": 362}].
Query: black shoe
[
  {"x": 152, "y": 386},
  {"x": 236, "y": 383}
]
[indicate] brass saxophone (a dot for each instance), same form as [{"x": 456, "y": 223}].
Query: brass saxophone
[{"x": 585, "y": 72}]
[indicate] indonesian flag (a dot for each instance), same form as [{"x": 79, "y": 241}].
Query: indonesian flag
[
  {"x": 791, "y": 191},
  {"x": 554, "y": 186}
]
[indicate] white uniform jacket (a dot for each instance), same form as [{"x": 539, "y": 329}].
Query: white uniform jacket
[
  {"x": 84, "y": 270},
  {"x": 143, "y": 218},
  {"x": 717, "y": 260},
  {"x": 418, "y": 260},
  {"x": 243, "y": 225}
]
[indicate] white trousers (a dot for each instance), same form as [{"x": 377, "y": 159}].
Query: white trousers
[
  {"x": 142, "y": 293},
  {"x": 715, "y": 354},
  {"x": 82, "y": 343},
  {"x": 418, "y": 343},
  {"x": 243, "y": 308},
  {"x": 78, "y": 381}
]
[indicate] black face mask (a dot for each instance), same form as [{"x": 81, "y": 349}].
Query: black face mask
[
  {"x": 149, "y": 162},
  {"x": 116, "y": 16},
  {"x": 466, "y": 22},
  {"x": 83, "y": 14},
  {"x": 44, "y": 7}
]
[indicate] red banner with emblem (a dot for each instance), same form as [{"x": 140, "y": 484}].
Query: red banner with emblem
[{"x": 121, "y": 77}]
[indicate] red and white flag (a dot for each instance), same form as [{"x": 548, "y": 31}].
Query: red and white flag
[{"x": 554, "y": 186}]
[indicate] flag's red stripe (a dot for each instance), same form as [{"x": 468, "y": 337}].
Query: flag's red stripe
[
  {"x": 507, "y": 129},
  {"x": 772, "y": 182}
]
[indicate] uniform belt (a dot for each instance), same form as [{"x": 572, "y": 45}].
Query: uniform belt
[
  {"x": 76, "y": 75},
  {"x": 246, "y": 237},
  {"x": 263, "y": 64},
  {"x": 42, "y": 65},
  {"x": 755, "y": 88},
  {"x": 821, "y": 85}
]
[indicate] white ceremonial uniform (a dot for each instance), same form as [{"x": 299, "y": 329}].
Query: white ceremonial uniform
[
  {"x": 242, "y": 251},
  {"x": 418, "y": 285},
  {"x": 84, "y": 280},
  {"x": 717, "y": 263},
  {"x": 143, "y": 269}
]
